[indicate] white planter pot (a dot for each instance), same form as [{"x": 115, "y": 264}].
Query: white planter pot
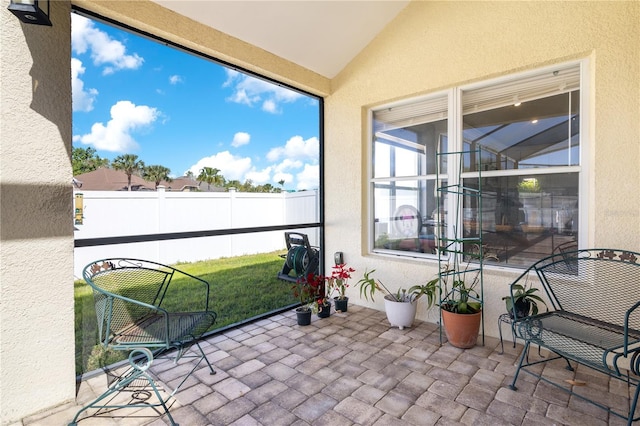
[{"x": 400, "y": 314}]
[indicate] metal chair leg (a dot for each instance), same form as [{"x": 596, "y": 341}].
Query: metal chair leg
[
  {"x": 140, "y": 360},
  {"x": 525, "y": 351}
]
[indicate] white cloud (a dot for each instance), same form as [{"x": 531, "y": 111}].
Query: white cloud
[
  {"x": 175, "y": 79},
  {"x": 231, "y": 76},
  {"x": 82, "y": 99},
  {"x": 241, "y": 97},
  {"x": 270, "y": 106},
  {"x": 249, "y": 90},
  {"x": 240, "y": 138},
  {"x": 116, "y": 136},
  {"x": 296, "y": 164},
  {"x": 296, "y": 148},
  {"x": 104, "y": 50},
  {"x": 230, "y": 166},
  {"x": 259, "y": 177},
  {"x": 309, "y": 177},
  {"x": 288, "y": 164}
]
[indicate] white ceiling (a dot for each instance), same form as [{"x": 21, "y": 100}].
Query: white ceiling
[{"x": 322, "y": 36}]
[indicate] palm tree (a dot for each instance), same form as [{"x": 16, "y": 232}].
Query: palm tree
[
  {"x": 233, "y": 184},
  {"x": 156, "y": 174},
  {"x": 267, "y": 187},
  {"x": 247, "y": 186},
  {"x": 211, "y": 176},
  {"x": 128, "y": 163}
]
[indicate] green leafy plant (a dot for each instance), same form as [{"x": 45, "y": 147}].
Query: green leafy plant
[
  {"x": 523, "y": 302},
  {"x": 370, "y": 285},
  {"x": 461, "y": 298}
]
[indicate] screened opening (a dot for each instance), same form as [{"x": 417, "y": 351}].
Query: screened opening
[{"x": 236, "y": 164}]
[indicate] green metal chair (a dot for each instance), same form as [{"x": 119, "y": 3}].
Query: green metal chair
[{"x": 137, "y": 312}]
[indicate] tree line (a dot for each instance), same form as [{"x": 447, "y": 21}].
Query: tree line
[{"x": 86, "y": 160}]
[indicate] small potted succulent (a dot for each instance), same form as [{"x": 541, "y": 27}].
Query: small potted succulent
[
  {"x": 400, "y": 306},
  {"x": 338, "y": 283}
]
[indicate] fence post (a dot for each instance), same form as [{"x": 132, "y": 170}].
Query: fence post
[{"x": 161, "y": 205}]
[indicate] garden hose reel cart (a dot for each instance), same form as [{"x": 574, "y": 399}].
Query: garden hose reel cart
[{"x": 301, "y": 258}]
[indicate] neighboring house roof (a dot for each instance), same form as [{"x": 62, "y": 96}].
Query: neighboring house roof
[
  {"x": 182, "y": 183},
  {"x": 204, "y": 187},
  {"x": 105, "y": 179}
]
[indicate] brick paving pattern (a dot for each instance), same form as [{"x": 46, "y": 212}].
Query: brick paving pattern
[{"x": 352, "y": 369}]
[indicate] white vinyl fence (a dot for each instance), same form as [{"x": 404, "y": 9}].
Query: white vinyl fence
[{"x": 119, "y": 214}]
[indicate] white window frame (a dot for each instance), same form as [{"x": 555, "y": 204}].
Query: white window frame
[{"x": 455, "y": 132}]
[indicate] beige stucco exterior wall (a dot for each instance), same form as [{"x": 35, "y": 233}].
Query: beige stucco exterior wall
[
  {"x": 37, "y": 367},
  {"x": 437, "y": 45}
]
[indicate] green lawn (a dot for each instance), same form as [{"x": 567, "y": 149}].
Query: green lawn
[{"x": 241, "y": 287}]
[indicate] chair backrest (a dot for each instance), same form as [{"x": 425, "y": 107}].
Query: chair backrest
[
  {"x": 124, "y": 291},
  {"x": 598, "y": 283}
]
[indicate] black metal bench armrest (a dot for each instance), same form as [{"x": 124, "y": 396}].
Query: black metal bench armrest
[{"x": 626, "y": 326}]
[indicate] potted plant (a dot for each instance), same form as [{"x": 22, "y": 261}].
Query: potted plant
[
  {"x": 320, "y": 304},
  {"x": 523, "y": 302},
  {"x": 401, "y": 306},
  {"x": 304, "y": 293},
  {"x": 339, "y": 282},
  {"x": 460, "y": 308}
]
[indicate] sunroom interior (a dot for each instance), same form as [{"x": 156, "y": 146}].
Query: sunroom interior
[{"x": 420, "y": 50}]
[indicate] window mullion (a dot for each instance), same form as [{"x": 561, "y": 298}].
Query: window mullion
[{"x": 454, "y": 206}]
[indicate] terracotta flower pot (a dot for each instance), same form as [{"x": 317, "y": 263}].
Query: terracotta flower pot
[{"x": 461, "y": 329}]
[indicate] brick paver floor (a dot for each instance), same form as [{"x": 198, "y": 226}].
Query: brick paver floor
[{"x": 353, "y": 369}]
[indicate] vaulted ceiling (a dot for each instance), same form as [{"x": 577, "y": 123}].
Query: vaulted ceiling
[{"x": 322, "y": 36}]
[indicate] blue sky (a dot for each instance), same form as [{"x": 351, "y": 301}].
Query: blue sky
[{"x": 136, "y": 96}]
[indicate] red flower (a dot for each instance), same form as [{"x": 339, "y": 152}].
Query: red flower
[{"x": 339, "y": 279}]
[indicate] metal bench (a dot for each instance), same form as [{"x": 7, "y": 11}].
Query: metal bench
[
  {"x": 593, "y": 318},
  {"x": 137, "y": 312}
]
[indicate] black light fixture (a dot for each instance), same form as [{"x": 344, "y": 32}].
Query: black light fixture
[{"x": 30, "y": 11}]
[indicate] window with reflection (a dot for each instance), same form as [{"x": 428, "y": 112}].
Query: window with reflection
[
  {"x": 527, "y": 129},
  {"x": 406, "y": 140}
]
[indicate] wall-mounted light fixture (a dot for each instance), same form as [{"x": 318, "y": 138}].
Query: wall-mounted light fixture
[{"x": 31, "y": 11}]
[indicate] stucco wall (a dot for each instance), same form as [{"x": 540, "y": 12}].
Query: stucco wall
[
  {"x": 432, "y": 46},
  {"x": 36, "y": 249}
]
